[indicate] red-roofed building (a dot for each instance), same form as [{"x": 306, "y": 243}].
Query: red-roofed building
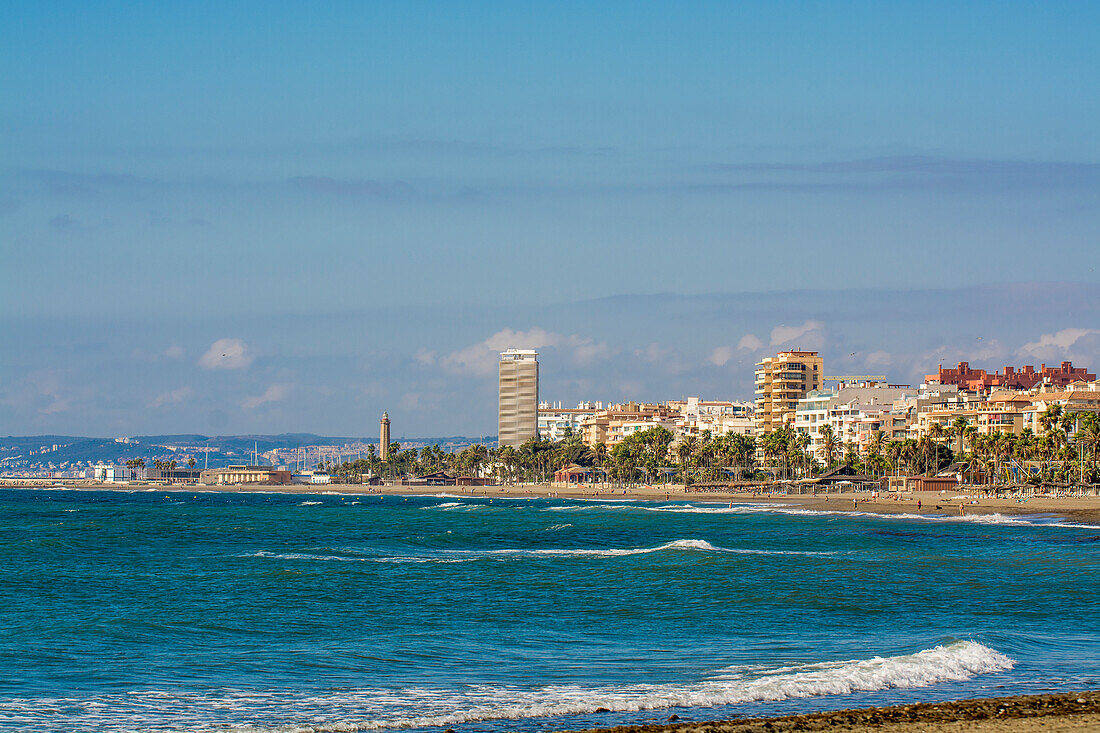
[{"x": 979, "y": 380}]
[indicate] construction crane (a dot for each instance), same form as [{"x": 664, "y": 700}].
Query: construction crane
[{"x": 856, "y": 378}]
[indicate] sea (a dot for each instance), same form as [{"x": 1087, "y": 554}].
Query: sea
[{"x": 158, "y": 610}]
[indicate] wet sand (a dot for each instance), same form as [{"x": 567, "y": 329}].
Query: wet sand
[{"x": 1075, "y": 711}]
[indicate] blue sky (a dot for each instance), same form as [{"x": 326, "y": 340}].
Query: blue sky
[{"x": 362, "y": 197}]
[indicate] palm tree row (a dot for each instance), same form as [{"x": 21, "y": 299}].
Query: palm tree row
[{"x": 1067, "y": 450}]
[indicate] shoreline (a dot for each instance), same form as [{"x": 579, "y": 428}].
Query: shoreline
[
  {"x": 933, "y": 504},
  {"x": 1071, "y": 711}
]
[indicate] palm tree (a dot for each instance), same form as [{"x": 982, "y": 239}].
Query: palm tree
[
  {"x": 958, "y": 428},
  {"x": 686, "y": 452},
  {"x": 828, "y": 442},
  {"x": 874, "y": 452},
  {"x": 893, "y": 454},
  {"x": 799, "y": 443}
]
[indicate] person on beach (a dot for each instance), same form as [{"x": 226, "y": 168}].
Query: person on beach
[
  {"x": 855, "y": 502},
  {"x": 918, "y": 505},
  {"x": 962, "y": 510}
]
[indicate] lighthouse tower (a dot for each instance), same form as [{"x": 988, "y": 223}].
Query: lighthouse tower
[{"x": 384, "y": 437}]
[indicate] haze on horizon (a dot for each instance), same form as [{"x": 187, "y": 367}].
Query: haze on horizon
[{"x": 259, "y": 218}]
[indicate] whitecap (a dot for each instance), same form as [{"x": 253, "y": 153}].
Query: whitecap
[{"x": 424, "y": 707}]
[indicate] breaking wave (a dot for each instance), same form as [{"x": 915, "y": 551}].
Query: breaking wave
[
  {"x": 795, "y": 510},
  {"x": 373, "y": 709},
  {"x": 453, "y": 556}
]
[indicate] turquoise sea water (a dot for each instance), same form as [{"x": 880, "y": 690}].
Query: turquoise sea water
[{"x": 172, "y": 611}]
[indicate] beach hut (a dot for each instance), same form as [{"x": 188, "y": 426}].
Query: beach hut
[
  {"x": 845, "y": 476},
  {"x": 574, "y": 474}
]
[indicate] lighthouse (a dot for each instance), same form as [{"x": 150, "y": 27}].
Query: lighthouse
[{"x": 384, "y": 437}]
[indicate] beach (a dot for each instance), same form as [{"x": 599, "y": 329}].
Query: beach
[
  {"x": 1069, "y": 712},
  {"x": 928, "y": 503}
]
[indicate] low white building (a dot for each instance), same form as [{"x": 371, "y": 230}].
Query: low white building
[
  {"x": 557, "y": 422},
  {"x": 718, "y": 417},
  {"x": 855, "y": 412}
]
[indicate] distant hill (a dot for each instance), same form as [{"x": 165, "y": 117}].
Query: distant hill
[{"x": 28, "y": 451}]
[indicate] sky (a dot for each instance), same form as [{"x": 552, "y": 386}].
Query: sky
[{"x": 271, "y": 217}]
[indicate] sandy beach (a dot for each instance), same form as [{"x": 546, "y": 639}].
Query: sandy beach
[
  {"x": 1074, "y": 711},
  {"x": 951, "y": 503}
]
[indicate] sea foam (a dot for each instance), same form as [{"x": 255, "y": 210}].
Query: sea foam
[
  {"x": 454, "y": 556},
  {"x": 794, "y": 510},
  {"x": 419, "y": 707}
]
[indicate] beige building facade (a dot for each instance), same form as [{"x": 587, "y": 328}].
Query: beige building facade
[
  {"x": 518, "y": 397},
  {"x": 245, "y": 475},
  {"x": 781, "y": 381}
]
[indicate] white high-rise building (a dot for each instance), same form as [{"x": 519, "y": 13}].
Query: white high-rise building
[{"x": 518, "y": 402}]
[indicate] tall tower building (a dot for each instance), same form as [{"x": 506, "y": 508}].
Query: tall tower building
[
  {"x": 518, "y": 403},
  {"x": 781, "y": 381},
  {"x": 384, "y": 437}
]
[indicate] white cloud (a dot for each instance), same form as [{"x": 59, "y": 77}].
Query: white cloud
[
  {"x": 536, "y": 338},
  {"x": 478, "y": 359},
  {"x": 654, "y": 353},
  {"x": 481, "y": 359},
  {"x": 984, "y": 352},
  {"x": 1060, "y": 344},
  {"x": 274, "y": 393},
  {"x": 173, "y": 352},
  {"x": 721, "y": 355},
  {"x": 877, "y": 358},
  {"x": 809, "y": 335},
  {"x": 172, "y": 397},
  {"x": 226, "y": 354},
  {"x": 587, "y": 352},
  {"x": 667, "y": 359},
  {"x": 424, "y": 356},
  {"x": 749, "y": 342}
]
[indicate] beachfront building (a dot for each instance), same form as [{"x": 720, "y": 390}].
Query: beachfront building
[
  {"x": 718, "y": 417},
  {"x": 556, "y": 423},
  {"x": 518, "y": 397},
  {"x": 781, "y": 381},
  {"x": 1003, "y": 411},
  {"x": 173, "y": 475},
  {"x": 245, "y": 475},
  {"x": 854, "y": 413},
  {"x": 609, "y": 426},
  {"x": 109, "y": 473}
]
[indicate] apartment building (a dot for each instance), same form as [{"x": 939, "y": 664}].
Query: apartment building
[
  {"x": 556, "y": 422},
  {"x": 518, "y": 397},
  {"x": 611, "y": 425},
  {"x": 1027, "y": 377},
  {"x": 854, "y": 413},
  {"x": 781, "y": 381},
  {"x": 718, "y": 417}
]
